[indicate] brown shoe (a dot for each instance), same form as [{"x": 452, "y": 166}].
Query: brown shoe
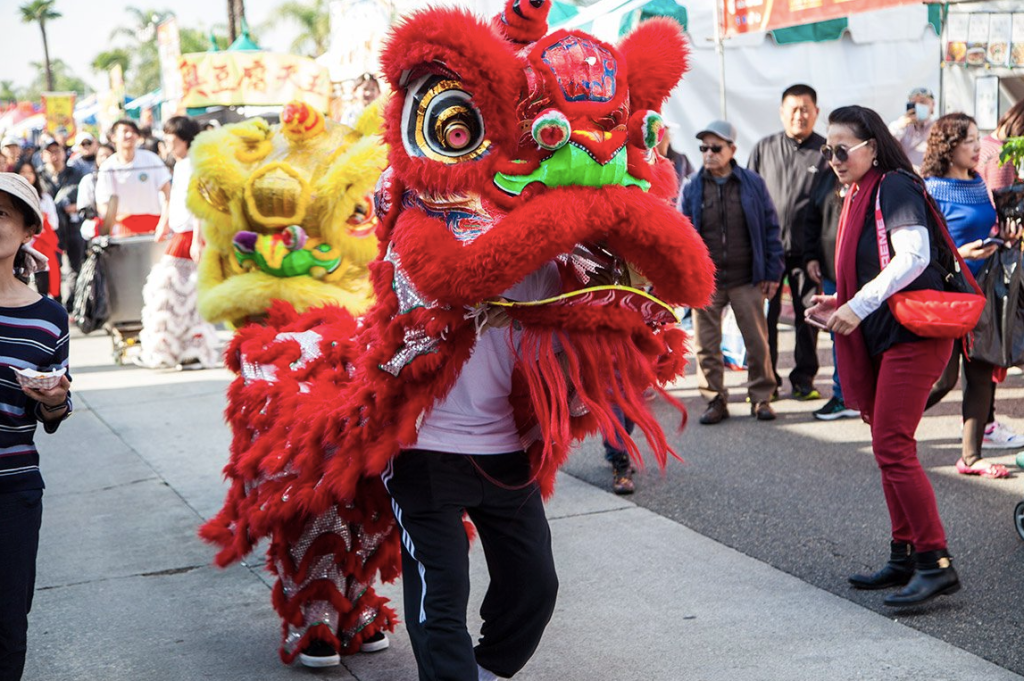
[
  {"x": 763, "y": 411},
  {"x": 622, "y": 481},
  {"x": 716, "y": 412}
]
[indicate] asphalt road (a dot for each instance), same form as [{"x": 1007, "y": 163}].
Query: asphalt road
[{"x": 805, "y": 496}]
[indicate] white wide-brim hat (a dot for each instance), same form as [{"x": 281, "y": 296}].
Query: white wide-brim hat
[{"x": 16, "y": 185}]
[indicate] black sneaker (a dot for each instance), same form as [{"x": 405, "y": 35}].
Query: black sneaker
[
  {"x": 319, "y": 654},
  {"x": 805, "y": 393},
  {"x": 835, "y": 409}
]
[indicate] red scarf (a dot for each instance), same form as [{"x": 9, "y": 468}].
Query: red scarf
[{"x": 856, "y": 370}]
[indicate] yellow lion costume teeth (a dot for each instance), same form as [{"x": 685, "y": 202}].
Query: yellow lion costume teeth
[{"x": 257, "y": 186}]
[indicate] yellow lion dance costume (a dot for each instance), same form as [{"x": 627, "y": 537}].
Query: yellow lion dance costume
[
  {"x": 287, "y": 213},
  {"x": 288, "y": 217}
]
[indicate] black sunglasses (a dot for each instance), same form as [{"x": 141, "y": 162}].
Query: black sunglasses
[
  {"x": 841, "y": 153},
  {"x": 713, "y": 148}
]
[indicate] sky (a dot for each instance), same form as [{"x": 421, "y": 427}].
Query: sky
[{"x": 84, "y": 31}]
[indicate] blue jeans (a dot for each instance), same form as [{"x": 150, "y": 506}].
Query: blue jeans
[
  {"x": 614, "y": 450},
  {"x": 828, "y": 287}
]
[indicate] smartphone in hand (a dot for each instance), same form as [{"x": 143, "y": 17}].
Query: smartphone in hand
[
  {"x": 816, "y": 321},
  {"x": 993, "y": 240}
]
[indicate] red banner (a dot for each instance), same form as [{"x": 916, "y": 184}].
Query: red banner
[{"x": 752, "y": 16}]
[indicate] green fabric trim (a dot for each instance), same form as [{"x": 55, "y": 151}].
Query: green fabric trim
[
  {"x": 935, "y": 17},
  {"x": 817, "y": 32},
  {"x": 654, "y": 8},
  {"x": 560, "y": 13}
]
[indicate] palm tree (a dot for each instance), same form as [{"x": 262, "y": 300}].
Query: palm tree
[
  {"x": 314, "y": 21},
  {"x": 103, "y": 61},
  {"x": 7, "y": 91},
  {"x": 142, "y": 34},
  {"x": 236, "y": 15},
  {"x": 41, "y": 11}
]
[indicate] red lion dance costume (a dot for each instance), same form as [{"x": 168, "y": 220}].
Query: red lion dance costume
[{"x": 508, "y": 149}]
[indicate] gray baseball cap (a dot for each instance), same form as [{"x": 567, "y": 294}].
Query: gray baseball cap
[
  {"x": 17, "y": 186},
  {"x": 723, "y": 129}
]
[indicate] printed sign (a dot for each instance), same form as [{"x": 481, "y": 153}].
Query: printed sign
[
  {"x": 1017, "y": 45},
  {"x": 956, "y": 38},
  {"x": 60, "y": 112},
  {"x": 751, "y": 16},
  {"x": 252, "y": 79},
  {"x": 169, "y": 48}
]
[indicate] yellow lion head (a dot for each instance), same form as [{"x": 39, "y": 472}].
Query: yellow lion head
[{"x": 287, "y": 212}]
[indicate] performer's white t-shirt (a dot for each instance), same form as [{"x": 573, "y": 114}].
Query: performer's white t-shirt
[
  {"x": 180, "y": 219},
  {"x": 476, "y": 416},
  {"x": 137, "y": 184}
]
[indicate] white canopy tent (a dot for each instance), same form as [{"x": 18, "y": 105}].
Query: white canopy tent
[{"x": 877, "y": 61}]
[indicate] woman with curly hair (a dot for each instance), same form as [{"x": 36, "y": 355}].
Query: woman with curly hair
[{"x": 949, "y": 169}]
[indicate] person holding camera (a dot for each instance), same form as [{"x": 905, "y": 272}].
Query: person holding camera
[{"x": 912, "y": 128}]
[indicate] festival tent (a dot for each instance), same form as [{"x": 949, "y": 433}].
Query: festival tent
[{"x": 872, "y": 58}]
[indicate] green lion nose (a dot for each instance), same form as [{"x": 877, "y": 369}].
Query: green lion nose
[{"x": 573, "y": 166}]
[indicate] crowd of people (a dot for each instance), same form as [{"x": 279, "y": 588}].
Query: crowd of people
[
  {"x": 789, "y": 233},
  {"x": 122, "y": 188},
  {"x": 841, "y": 222}
]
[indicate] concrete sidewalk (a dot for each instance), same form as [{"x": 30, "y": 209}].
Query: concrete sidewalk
[{"x": 126, "y": 589}]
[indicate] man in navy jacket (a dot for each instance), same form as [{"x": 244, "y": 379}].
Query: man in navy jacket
[{"x": 730, "y": 208}]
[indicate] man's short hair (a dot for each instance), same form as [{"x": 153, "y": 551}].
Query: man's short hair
[
  {"x": 182, "y": 127},
  {"x": 800, "y": 90},
  {"x": 127, "y": 122}
]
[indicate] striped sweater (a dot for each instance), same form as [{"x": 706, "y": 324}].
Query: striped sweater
[{"x": 35, "y": 337}]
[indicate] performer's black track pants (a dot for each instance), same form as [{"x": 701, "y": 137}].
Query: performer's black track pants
[{"x": 430, "y": 491}]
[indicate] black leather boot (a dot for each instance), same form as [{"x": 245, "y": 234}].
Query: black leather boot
[
  {"x": 896, "y": 572},
  {"x": 933, "y": 577}
]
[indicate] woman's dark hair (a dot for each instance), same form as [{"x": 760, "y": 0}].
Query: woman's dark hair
[
  {"x": 182, "y": 127},
  {"x": 946, "y": 135},
  {"x": 866, "y": 125},
  {"x": 35, "y": 173},
  {"x": 1012, "y": 122}
]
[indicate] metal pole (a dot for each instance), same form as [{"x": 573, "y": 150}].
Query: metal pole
[{"x": 720, "y": 49}]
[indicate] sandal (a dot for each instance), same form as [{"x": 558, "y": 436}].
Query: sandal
[{"x": 989, "y": 470}]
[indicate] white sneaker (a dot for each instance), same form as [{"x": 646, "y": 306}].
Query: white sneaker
[
  {"x": 999, "y": 436},
  {"x": 318, "y": 655},
  {"x": 375, "y": 643}
]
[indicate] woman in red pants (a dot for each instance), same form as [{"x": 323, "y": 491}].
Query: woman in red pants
[{"x": 886, "y": 370}]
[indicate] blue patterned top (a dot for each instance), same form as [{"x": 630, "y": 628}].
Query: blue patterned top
[{"x": 969, "y": 212}]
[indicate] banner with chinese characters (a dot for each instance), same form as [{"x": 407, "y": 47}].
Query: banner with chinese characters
[
  {"x": 252, "y": 79},
  {"x": 752, "y": 16},
  {"x": 60, "y": 112},
  {"x": 168, "y": 42}
]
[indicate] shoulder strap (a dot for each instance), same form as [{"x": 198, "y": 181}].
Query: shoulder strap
[
  {"x": 880, "y": 233},
  {"x": 943, "y": 238}
]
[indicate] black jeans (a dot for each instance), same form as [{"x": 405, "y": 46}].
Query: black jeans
[
  {"x": 21, "y": 514},
  {"x": 979, "y": 396},
  {"x": 430, "y": 492},
  {"x": 805, "y": 354}
]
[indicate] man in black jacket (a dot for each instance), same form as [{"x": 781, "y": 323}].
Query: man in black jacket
[
  {"x": 821, "y": 233},
  {"x": 61, "y": 182},
  {"x": 789, "y": 162}
]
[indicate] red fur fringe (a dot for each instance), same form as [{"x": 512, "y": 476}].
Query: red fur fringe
[{"x": 657, "y": 55}]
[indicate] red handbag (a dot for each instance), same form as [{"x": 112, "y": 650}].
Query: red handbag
[{"x": 950, "y": 313}]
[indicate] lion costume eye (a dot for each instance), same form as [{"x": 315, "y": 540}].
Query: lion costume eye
[{"x": 440, "y": 122}]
